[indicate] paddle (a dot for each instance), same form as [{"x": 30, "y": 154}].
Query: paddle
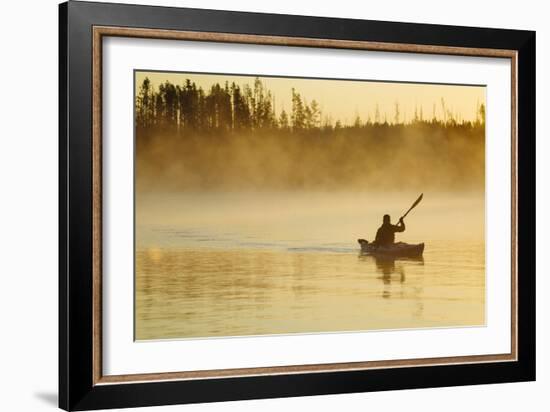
[{"x": 413, "y": 206}]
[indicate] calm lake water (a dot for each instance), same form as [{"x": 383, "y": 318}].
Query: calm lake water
[{"x": 237, "y": 264}]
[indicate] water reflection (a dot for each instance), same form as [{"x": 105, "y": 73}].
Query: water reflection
[
  {"x": 391, "y": 270},
  {"x": 204, "y": 292},
  {"x": 387, "y": 266},
  {"x": 241, "y": 264}
]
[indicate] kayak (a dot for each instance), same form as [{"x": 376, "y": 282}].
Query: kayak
[{"x": 396, "y": 250}]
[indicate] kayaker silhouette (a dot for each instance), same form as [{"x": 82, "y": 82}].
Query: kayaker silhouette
[
  {"x": 385, "y": 235},
  {"x": 384, "y": 243}
]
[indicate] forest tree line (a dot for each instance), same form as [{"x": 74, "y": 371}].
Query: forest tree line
[
  {"x": 232, "y": 137},
  {"x": 231, "y": 107}
]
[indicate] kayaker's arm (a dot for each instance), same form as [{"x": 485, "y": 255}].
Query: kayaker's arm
[{"x": 400, "y": 227}]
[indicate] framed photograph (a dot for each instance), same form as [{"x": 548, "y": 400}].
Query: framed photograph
[{"x": 256, "y": 205}]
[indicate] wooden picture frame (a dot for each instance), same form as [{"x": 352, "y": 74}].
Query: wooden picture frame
[{"x": 82, "y": 385}]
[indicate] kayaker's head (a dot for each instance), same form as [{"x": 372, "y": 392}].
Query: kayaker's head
[{"x": 386, "y": 220}]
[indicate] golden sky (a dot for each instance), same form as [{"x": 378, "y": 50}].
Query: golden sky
[{"x": 345, "y": 99}]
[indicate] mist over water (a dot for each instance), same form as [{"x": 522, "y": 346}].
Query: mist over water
[
  {"x": 381, "y": 158},
  {"x": 283, "y": 219}
]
